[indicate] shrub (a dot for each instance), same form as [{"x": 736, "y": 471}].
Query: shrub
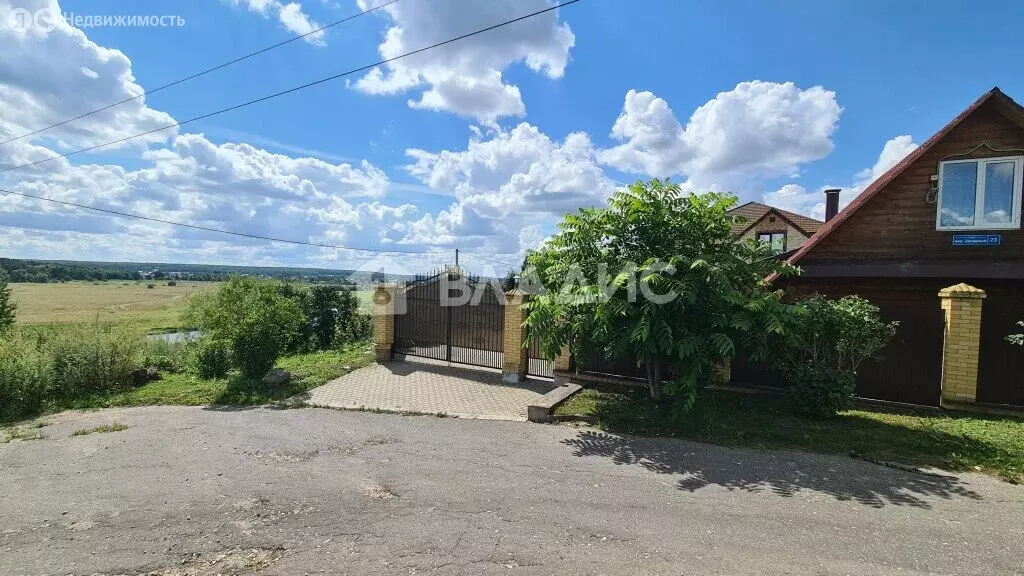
[
  {"x": 358, "y": 327},
  {"x": 93, "y": 358},
  {"x": 252, "y": 317},
  {"x": 828, "y": 341},
  {"x": 7, "y": 306},
  {"x": 211, "y": 359},
  {"x": 330, "y": 312},
  {"x": 167, "y": 355},
  {"x": 820, "y": 392},
  {"x": 25, "y": 378}
]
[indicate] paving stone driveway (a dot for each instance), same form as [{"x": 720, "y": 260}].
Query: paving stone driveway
[{"x": 421, "y": 386}]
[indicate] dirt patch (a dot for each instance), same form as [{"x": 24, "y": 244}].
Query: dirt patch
[
  {"x": 381, "y": 492},
  {"x": 226, "y": 562}
]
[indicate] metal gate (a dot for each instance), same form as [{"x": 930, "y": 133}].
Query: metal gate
[
  {"x": 911, "y": 368},
  {"x": 1000, "y": 363},
  {"x": 439, "y": 326},
  {"x": 536, "y": 365}
]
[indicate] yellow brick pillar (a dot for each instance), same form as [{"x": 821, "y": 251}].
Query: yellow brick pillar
[
  {"x": 516, "y": 355},
  {"x": 384, "y": 321},
  {"x": 563, "y": 362},
  {"x": 962, "y": 307},
  {"x": 722, "y": 373}
]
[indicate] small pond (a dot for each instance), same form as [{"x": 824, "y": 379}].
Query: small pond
[{"x": 175, "y": 337}]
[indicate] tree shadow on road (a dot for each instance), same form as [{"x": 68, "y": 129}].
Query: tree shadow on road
[{"x": 783, "y": 473}]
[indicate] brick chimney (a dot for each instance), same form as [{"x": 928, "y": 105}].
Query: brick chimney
[{"x": 831, "y": 203}]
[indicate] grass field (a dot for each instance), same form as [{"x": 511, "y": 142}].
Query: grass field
[{"x": 156, "y": 309}]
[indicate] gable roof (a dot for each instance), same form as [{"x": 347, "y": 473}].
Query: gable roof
[
  {"x": 1013, "y": 111},
  {"x": 754, "y": 212}
]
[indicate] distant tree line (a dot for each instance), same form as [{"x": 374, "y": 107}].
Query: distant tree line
[{"x": 59, "y": 271}]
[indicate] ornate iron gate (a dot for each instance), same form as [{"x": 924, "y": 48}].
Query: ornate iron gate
[
  {"x": 440, "y": 326},
  {"x": 536, "y": 365}
]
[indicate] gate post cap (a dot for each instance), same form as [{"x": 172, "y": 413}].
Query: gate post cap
[
  {"x": 961, "y": 290},
  {"x": 517, "y": 295}
]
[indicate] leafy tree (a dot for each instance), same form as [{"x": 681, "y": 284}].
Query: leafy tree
[
  {"x": 378, "y": 276},
  {"x": 826, "y": 342},
  {"x": 252, "y": 317},
  {"x": 8, "y": 308},
  {"x": 659, "y": 277}
]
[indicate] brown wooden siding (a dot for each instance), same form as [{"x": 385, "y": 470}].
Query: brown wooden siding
[{"x": 898, "y": 224}]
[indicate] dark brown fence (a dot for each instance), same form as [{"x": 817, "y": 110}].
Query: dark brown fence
[
  {"x": 911, "y": 370},
  {"x": 1000, "y": 363},
  {"x": 595, "y": 362},
  {"x": 470, "y": 333}
]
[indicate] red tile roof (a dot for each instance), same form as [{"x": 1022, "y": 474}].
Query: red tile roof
[{"x": 752, "y": 212}]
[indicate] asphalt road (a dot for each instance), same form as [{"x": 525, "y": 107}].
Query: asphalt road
[{"x": 197, "y": 491}]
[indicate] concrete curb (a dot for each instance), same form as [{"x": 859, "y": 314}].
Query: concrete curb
[{"x": 541, "y": 411}]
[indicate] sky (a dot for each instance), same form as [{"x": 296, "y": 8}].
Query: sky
[{"x": 481, "y": 145}]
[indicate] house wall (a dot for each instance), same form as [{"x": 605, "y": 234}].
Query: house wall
[
  {"x": 898, "y": 223},
  {"x": 794, "y": 237}
]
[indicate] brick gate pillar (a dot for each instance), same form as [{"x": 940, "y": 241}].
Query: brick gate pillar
[
  {"x": 384, "y": 321},
  {"x": 516, "y": 355},
  {"x": 962, "y": 335},
  {"x": 563, "y": 362}
]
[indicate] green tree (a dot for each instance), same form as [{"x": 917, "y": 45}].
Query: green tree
[
  {"x": 252, "y": 317},
  {"x": 8, "y": 307},
  {"x": 657, "y": 276}
]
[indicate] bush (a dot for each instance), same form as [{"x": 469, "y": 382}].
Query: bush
[
  {"x": 357, "y": 327},
  {"x": 828, "y": 341},
  {"x": 331, "y": 313},
  {"x": 252, "y": 317},
  {"x": 25, "y": 378},
  {"x": 820, "y": 392},
  {"x": 51, "y": 365},
  {"x": 211, "y": 359},
  {"x": 93, "y": 358},
  {"x": 169, "y": 356},
  {"x": 7, "y": 306}
]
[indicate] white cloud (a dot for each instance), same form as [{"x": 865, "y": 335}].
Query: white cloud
[
  {"x": 291, "y": 17},
  {"x": 466, "y": 77},
  {"x": 505, "y": 181},
  {"x": 233, "y": 186},
  {"x": 756, "y": 130},
  {"x": 894, "y": 150},
  {"x": 796, "y": 198},
  {"x": 49, "y": 77}
]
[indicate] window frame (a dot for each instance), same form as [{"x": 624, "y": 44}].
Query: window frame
[
  {"x": 979, "y": 194},
  {"x": 770, "y": 233}
]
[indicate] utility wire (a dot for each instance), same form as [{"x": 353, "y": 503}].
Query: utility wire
[
  {"x": 481, "y": 258},
  {"x": 218, "y": 230},
  {"x": 198, "y": 74},
  {"x": 301, "y": 87}
]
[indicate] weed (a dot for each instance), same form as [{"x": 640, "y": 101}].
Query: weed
[{"x": 116, "y": 427}]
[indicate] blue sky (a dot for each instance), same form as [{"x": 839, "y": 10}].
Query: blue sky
[{"x": 795, "y": 96}]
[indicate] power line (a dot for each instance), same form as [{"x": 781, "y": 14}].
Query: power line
[
  {"x": 201, "y": 73},
  {"x": 217, "y": 230},
  {"x": 481, "y": 258},
  {"x": 297, "y": 88}
]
